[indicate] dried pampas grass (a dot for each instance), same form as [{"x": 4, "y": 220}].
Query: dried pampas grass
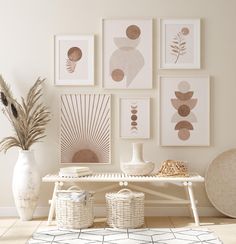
[{"x": 29, "y": 119}]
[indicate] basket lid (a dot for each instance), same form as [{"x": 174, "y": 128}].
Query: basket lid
[{"x": 125, "y": 194}]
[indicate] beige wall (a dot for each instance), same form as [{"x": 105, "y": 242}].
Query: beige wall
[{"x": 27, "y": 28}]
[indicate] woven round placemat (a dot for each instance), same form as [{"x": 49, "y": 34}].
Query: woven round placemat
[{"x": 220, "y": 182}]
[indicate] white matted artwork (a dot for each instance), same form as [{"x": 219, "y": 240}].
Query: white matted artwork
[
  {"x": 135, "y": 118},
  {"x": 180, "y": 44},
  {"x": 74, "y": 60},
  {"x": 127, "y": 54},
  {"x": 85, "y": 128},
  {"x": 184, "y": 111}
]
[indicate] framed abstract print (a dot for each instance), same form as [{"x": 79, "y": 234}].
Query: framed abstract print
[
  {"x": 127, "y": 54},
  {"x": 74, "y": 60},
  {"x": 184, "y": 111},
  {"x": 134, "y": 118},
  {"x": 180, "y": 44},
  {"x": 85, "y": 128}
]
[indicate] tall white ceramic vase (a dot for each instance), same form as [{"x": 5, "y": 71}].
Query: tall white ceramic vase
[
  {"x": 137, "y": 154},
  {"x": 26, "y": 184}
]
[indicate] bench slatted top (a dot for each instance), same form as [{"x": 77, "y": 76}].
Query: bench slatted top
[{"x": 117, "y": 177}]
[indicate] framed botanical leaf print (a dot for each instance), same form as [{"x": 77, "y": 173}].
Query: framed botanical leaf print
[{"x": 180, "y": 44}]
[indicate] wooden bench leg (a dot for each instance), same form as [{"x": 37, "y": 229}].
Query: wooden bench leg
[
  {"x": 192, "y": 201},
  {"x": 52, "y": 202}
]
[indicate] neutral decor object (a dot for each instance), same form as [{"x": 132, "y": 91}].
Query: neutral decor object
[
  {"x": 74, "y": 60},
  {"x": 127, "y": 53},
  {"x": 127, "y": 236},
  {"x": 180, "y": 44},
  {"x": 74, "y": 171},
  {"x": 28, "y": 121},
  {"x": 173, "y": 168},
  {"x": 74, "y": 208},
  {"x": 134, "y": 118},
  {"x": 137, "y": 165},
  {"x": 184, "y": 111},
  {"x": 125, "y": 209},
  {"x": 221, "y": 183},
  {"x": 126, "y": 180},
  {"x": 85, "y": 128}
]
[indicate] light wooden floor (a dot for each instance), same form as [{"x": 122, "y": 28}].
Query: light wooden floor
[{"x": 14, "y": 231}]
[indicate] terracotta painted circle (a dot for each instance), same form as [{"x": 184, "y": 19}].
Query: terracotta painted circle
[
  {"x": 133, "y": 32},
  {"x": 117, "y": 75},
  {"x": 220, "y": 182},
  {"x": 74, "y": 54},
  {"x": 134, "y": 111},
  {"x": 184, "y": 86},
  {"x": 185, "y": 31},
  {"x": 184, "y": 110},
  {"x": 184, "y": 134},
  {"x": 134, "y": 117}
]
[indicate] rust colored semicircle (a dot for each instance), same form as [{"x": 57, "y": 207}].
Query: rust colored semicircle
[
  {"x": 176, "y": 103},
  {"x": 85, "y": 156},
  {"x": 183, "y": 96},
  {"x": 184, "y": 125}
]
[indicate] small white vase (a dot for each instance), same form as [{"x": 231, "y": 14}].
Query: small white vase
[
  {"x": 137, "y": 165},
  {"x": 137, "y": 156},
  {"x": 26, "y": 184}
]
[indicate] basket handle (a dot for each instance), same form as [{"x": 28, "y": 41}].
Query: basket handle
[
  {"x": 73, "y": 188},
  {"x": 125, "y": 190}
]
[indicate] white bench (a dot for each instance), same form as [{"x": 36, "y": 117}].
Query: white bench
[{"x": 125, "y": 180}]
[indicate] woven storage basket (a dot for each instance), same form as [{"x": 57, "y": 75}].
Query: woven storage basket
[
  {"x": 125, "y": 209},
  {"x": 72, "y": 213}
]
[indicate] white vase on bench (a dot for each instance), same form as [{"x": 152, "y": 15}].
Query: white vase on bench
[{"x": 137, "y": 165}]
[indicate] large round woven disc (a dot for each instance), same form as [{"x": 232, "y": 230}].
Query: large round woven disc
[{"x": 220, "y": 183}]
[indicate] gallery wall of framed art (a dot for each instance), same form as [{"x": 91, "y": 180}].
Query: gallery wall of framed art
[{"x": 182, "y": 102}]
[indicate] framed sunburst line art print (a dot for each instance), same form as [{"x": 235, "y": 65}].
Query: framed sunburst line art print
[
  {"x": 184, "y": 112},
  {"x": 74, "y": 60},
  {"x": 179, "y": 41},
  {"x": 127, "y": 53},
  {"x": 134, "y": 118},
  {"x": 85, "y": 135}
]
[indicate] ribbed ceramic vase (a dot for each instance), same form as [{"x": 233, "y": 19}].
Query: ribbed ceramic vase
[{"x": 26, "y": 184}]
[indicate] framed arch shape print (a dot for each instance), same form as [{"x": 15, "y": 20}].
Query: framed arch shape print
[
  {"x": 127, "y": 53},
  {"x": 184, "y": 111}
]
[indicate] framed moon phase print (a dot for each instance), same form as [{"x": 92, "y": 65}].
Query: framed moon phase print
[
  {"x": 127, "y": 54},
  {"x": 85, "y": 128},
  {"x": 134, "y": 118},
  {"x": 180, "y": 44},
  {"x": 184, "y": 111},
  {"x": 74, "y": 60}
]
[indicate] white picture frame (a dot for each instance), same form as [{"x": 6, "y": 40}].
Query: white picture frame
[
  {"x": 180, "y": 43},
  {"x": 85, "y": 129},
  {"x": 134, "y": 117},
  {"x": 127, "y": 53},
  {"x": 74, "y": 60},
  {"x": 184, "y": 110}
]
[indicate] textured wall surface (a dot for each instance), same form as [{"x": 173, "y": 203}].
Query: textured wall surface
[{"x": 27, "y": 51}]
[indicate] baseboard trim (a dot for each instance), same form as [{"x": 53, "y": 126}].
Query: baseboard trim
[{"x": 100, "y": 211}]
